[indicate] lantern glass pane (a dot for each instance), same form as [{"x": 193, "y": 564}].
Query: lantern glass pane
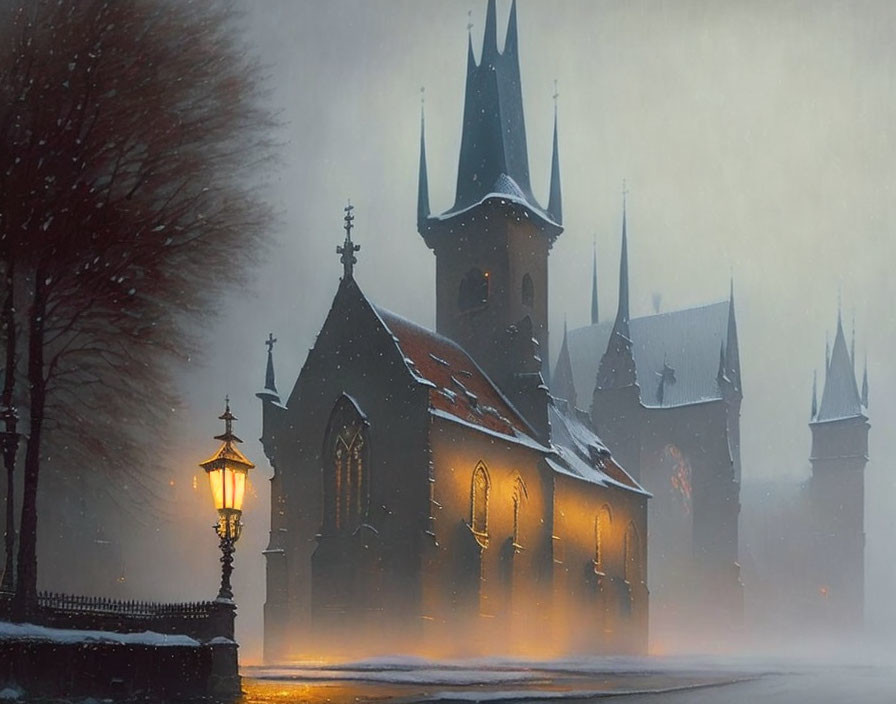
[
  {"x": 239, "y": 489},
  {"x": 216, "y": 481}
]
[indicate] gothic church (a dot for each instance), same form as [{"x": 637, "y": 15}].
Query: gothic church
[{"x": 426, "y": 484}]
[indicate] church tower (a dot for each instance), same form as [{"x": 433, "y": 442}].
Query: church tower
[
  {"x": 839, "y": 428},
  {"x": 492, "y": 245}
]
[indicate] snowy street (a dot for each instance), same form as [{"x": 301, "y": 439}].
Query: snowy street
[{"x": 674, "y": 680}]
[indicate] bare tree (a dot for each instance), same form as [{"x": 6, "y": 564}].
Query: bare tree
[{"x": 131, "y": 141}]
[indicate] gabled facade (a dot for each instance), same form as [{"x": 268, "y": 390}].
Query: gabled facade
[{"x": 664, "y": 392}]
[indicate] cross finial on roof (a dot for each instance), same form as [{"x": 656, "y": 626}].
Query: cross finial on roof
[
  {"x": 348, "y": 248},
  {"x": 422, "y": 94},
  {"x": 270, "y": 342},
  {"x": 624, "y": 194},
  {"x": 556, "y": 93},
  {"x": 469, "y": 21}
]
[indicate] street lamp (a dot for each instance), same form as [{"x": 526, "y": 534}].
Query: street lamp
[{"x": 227, "y": 470}]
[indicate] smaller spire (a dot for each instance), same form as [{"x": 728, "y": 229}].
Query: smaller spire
[
  {"x": 732, "y": 345},
  {"x": 814, "y": 393},
  {"x": 865, "y": 384},
  {"x": 510, "y": 38},
  {"x": 595, "y": 309},
  {"x": 423, "y": 179},
  {"x": 348, "y": 248},
  {"x": 490, "y": 40},
  {"x": 269, "y": 392},
  {"x": 562, "y": 384},
  {"x": 555, "y": 199}
]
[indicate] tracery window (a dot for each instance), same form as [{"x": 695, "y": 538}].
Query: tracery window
[
  {"x": 479, "y": 501},
  {"x": 346, "y": 474},
  {"x": 473, "y": 291},
  {"x": 528, "y": 291}
]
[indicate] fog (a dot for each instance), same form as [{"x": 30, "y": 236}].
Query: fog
[{"x": 755, "y": 139}]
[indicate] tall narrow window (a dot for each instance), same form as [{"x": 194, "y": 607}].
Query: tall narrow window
[
  {"x": 473, "y": 291},
  {"x": 346, "y": 480},
  {"x": 601, "y": 528},
  {"x": 519, "y": 495},
  {"x": 528, "y": 291},
  {"x": 632, "y": 555},
  {"x": 479, "y": 501}
]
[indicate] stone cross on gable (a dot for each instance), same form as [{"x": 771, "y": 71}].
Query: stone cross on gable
[
  {"x": 348, "y": 248},
  {"x": 270, "y": 342}
]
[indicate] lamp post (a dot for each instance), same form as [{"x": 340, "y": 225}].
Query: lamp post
[{"x": 227, "y": 471}]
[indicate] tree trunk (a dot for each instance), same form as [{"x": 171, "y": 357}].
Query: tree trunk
[
  {"x": 10, "y": 441},
  {"x": 26, "y": 586}
]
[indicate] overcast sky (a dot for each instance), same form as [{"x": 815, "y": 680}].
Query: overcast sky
[{"x": 755, "y": 137}]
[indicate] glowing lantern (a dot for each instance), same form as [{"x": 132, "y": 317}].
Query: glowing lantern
[{"x": 227, "y": 471}]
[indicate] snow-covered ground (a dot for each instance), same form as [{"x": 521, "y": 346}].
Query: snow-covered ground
[
  {"x": 669, "y": 679},
  {"x": 28, "y": 631}
]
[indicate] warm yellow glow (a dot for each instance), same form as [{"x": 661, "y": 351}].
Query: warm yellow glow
[{"x": 228, "y": 486}]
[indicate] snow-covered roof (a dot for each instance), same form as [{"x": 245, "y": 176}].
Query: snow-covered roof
[
  {"x": 685, "y": 343},
  {"x": 581, "y": 453}
]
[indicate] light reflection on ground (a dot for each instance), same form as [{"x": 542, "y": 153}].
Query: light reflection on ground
[{"x": 397, "y": 681}]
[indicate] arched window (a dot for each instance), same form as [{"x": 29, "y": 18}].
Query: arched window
[
  {"x": 346, "y": 475},
  {"x": 519, "y": 495},
  {"x": 528, "y": 291},
  {"x": 632, "y": 555},
  {"x": 479, "y": 501},
  {"x": 473, "y": 291},
  {"x": 601, "y": 529}
]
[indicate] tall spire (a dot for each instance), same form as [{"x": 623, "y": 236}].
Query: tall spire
[
  {"x": 865, "y": 384},
  {"x": 731, "y": 346},
  {"x": 814, "y": 394},
  {"x": 490, "y": 39},
  {"x": 422, "y": 179},
  {"x": 595, "y": 309},
  {"x": 617, "y": 366},
  {"x": 511, "y": 41},
  {"x": 622, "y": 313},
  {"x": 840, "y": 398},
  {"x": 555, "y": 199}
]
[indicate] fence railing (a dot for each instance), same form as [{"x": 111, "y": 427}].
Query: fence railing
[{"x": 202, "y": 620}]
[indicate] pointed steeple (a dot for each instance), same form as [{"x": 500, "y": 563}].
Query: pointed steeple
[
  {"x": 494, "y": 159},
  {"x": 511, "y": 41},
  {"x": 563, "y": 385},
  {"x": 422, "y": 179},
  {"x": 595, "y": 309},
  {"x": 269, "y": 392},
  {"x": 814, "y": 394},
  {"x": 617, "y": 366},
  {"x": 490, "y": 39},
  {"x": 555, "y": 199},
  {"x": 731, "y": 345},
  {"x": 865, "y": 384},
  {"x": 840, "y": 398}
]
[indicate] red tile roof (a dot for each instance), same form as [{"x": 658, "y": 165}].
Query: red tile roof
[{"x": 460, "y": 387}]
